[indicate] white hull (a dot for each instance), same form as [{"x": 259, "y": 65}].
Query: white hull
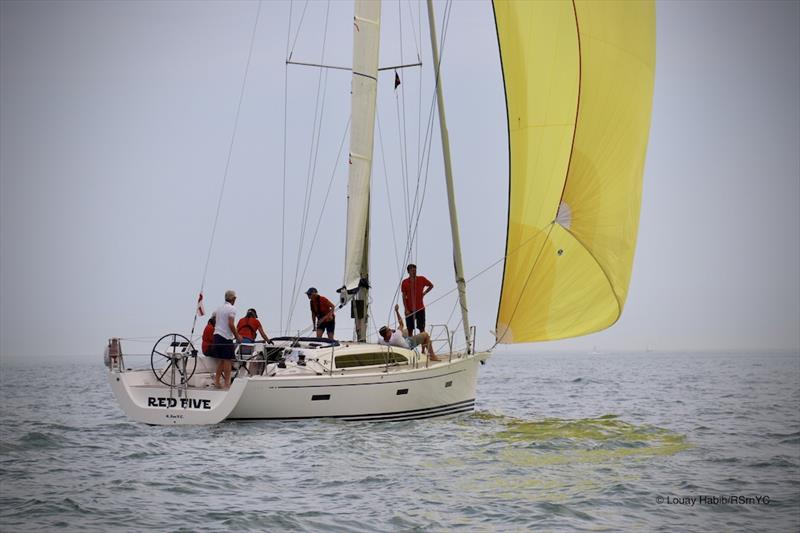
[
  {"x": 441, "y": 389},
  {"x": 415, "y": 389}
]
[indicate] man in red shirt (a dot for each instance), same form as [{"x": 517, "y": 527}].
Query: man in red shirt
[
  {"x": 208, "y": 337},
  {"x": 322, "y": 317},
  {"x": 249, "y": 326},
  {"x": 414, "y": 288}
]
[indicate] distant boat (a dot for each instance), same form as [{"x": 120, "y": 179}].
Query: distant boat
[{"x": 579, "y": 83}]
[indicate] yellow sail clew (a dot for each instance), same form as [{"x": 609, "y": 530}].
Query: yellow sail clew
[{"x": 579, "y": 88}]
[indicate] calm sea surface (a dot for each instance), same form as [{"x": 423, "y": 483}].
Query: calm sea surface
[{"x": 649, "y": 442}]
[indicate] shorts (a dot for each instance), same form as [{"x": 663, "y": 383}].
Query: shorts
[
  {"x": 418, "y": 317},
  {"x": 223, "y": 348},
  {"x": 415, "y": 340},
  {"x": 328, "y": 326}
]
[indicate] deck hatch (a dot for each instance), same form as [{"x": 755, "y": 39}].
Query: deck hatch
[{"x": 370, "y": 359}]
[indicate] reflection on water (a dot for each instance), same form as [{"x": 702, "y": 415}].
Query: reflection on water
[
  {"x": 595, "y": 440},
  {"x": 554, "y": 460}
]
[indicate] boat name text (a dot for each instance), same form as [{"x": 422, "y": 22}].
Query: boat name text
[{"x": 185, "y": 403}]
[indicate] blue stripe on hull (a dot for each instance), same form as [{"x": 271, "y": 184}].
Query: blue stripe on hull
[{"x": 395, "y": 416}]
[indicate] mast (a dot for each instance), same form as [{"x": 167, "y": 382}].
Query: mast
[
  {"x": 366, "y": 41},
  {"x": 448, "y": 173}
]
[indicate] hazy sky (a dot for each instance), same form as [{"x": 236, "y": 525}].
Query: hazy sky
[{"x": 116, "y": 119}]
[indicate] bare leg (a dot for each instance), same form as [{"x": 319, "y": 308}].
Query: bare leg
[
  {"x": 226, "y": 371},
  {"x": 429, "y": 345},
  {"x": 319, "y": 333},
  {"x": 218, "y": 373}
]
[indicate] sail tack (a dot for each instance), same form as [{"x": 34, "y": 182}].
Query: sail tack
[
  {"x": 579, "y": 84},
  {"x": 366, "y": 41}
]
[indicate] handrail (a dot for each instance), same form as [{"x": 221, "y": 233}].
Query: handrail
[{"x": 449, "y": 335}]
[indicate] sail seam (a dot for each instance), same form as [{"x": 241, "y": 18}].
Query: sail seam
[
  {"x": 577, "y": 103},
  {"x": 572, "y": 153}
]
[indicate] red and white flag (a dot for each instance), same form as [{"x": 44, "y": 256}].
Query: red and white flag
[{"x": 200, "y": 310}]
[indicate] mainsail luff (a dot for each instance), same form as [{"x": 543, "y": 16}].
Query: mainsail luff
[
  {"x": 366, "y": 42},
  {"x": 579, "y": 84}
]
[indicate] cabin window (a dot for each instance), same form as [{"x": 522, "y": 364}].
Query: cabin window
[
  {"x": 318, "y": 397},
  {"x": 448, "y": 384},
  {"x": 370, "y": 359},
  {"x": 400, "y": 392}
]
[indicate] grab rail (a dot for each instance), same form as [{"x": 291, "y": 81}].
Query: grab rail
[{"x": 448, "y": 340}]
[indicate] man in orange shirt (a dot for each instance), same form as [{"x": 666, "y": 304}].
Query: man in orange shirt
[
  {"x": 208, "y": 337},
  {"x": 322, "y": 317},
  {"x": 249, "y": 326},
  {"x": 414, "y": 288}
]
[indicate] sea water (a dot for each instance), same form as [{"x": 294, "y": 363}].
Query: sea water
[{"x": 559, "y": 442}]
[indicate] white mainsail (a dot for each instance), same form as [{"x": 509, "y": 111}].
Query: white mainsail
[{"x": 366, "y": 41}]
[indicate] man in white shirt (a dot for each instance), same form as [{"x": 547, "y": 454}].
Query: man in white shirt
[
  {"x": 398, "y": 337},
  {"x": 224, "y": 335}
]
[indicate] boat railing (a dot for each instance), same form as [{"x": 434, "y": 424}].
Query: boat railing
[
  {"x": 254, "y": 356},
  {"x": 445, "y": 338},
  {"x": 113, "y": 355}
]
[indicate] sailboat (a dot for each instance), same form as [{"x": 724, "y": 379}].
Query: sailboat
[{"x": 578, "y": 79}]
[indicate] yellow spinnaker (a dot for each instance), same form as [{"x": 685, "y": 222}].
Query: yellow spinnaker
[{"x": 579, "y": 89}]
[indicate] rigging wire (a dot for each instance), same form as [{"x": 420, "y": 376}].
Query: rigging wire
[
  {"x": 412, "y": 229},
  {"x": 285, "y": 143},
  {"x": 312, "y": 162},
  {"x": 299, "y": 27},
  {"x": 321, "y": 216},
  {"x": 402, "y": 123},
  {"x": 403, "y": 169},
  {"x": 228, "y": 158},
  {"x": 410, "y": 234},
  {"x": 413, "y": 27},
  {"x": 419, "y": 93},
  {"x": 419, "y": 199},
  {"x": 388, "y": 195},
  {"x": 419, "y": 98},
  {"x": 528, "y": 278},
  {"x": 492, "y": 265}
]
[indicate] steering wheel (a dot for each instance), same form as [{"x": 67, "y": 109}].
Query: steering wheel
[{"x": 182, "y": 358}]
